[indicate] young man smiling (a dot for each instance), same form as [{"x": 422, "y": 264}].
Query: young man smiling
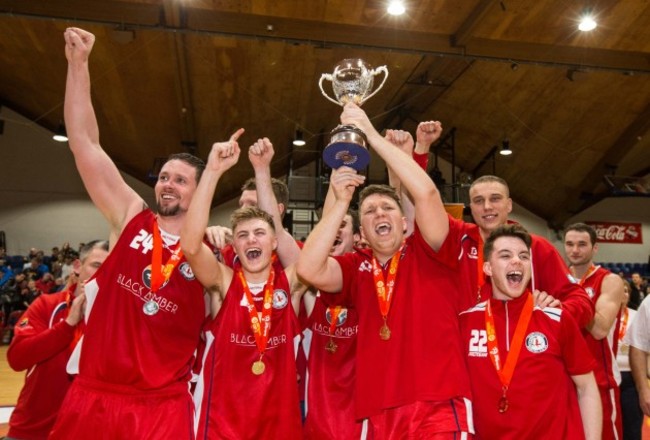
[
  {"x": 408, "y": 333},
  {"x": 248, "y": 386},
  {"x": 526, "y": 363}
]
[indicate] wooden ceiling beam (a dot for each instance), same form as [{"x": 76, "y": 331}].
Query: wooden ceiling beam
[
  {"x": 464, "y": 33},
  {"x": 616, "y": 152},
  {"x": 322, "y": 34}
]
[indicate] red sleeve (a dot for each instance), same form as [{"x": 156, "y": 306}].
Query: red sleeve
[
  {"x": 421, "y": 159},
  {"x": 348, "y": 263},
  {"x": 577, "y": 356},
  {"x": 33, "y": 341},
  {"x": 552, "y": 276},
  {"x": 450, "y": 250}
]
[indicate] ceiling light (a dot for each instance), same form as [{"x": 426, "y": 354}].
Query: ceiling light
[
  {"x": 505, "y": 148},
  {"x": 60, "y": 134},
  {"x": 587, "y": 22},
  {"x": 396, "y": 7},
  {"x": 298, "y": 140}
]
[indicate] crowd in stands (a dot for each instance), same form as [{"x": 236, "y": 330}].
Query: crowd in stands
[{"x": 24, "y": 277}]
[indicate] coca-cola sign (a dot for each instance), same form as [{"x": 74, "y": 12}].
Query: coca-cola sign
[{"x": 617, "y": 232}]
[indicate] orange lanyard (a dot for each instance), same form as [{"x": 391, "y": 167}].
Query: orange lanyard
[
  {"x": 506, "y": 371},
  {"x": 591, "y": 270},
  {"x": 331, "y": 346},
  {"x": 385, "y": 288},
  {"x": 261, "y": 330},
  {"x": 622, "y": 329},
  {"x": 160, "y": 274}
]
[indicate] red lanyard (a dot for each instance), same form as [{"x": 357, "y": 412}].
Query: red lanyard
[
  {"x": 480, "y": 276},
  {"x": 385, "y": 288},
  {"x": 262, "y": 329},
  {"x": 506, "y": 371},
  {"x": 160, "y": 274}
]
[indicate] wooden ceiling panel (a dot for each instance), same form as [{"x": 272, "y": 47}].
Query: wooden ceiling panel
[{"x": 171, "y": 76}]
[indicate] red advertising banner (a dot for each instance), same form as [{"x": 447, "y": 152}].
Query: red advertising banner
[{"x": 617, "y": 232}]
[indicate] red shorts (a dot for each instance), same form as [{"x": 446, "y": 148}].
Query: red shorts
[
  {"x": 97, "y": 410},
  {"x": 449, "y": 419},
  {"x": 612, "y": 419}
]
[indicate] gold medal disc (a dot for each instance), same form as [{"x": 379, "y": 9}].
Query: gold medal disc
[
  {"x": 384, "y": 332},
  {"x": 331, "y": 346},
  {"x": 258, "y": 367}
]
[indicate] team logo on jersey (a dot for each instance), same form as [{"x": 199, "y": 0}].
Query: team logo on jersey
[
  {"x": 340, "y": 320},
  {"x": 23, "y": 322},
  {"x": 572, "y": 278},
  {"x": 590, "y": 291},
  {"x": 146, "y": 278},
  {"x": 280, "y": 299},
  {"x": 186, "y": 271},
  {"x": 536, "y": 342},
  {"x": 473, "y": 253},
  {"x": 365, "y": 265}
]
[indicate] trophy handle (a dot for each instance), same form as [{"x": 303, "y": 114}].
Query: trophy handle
[
  {"x": 374, "y": 72},
  {"x": 327, "y": 76}
]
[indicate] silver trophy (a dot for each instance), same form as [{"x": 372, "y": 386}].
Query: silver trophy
[{"x": 352, "y": 81}]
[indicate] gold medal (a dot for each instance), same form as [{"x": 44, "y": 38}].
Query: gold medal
[
  {"x": 503, "y": 404},
  {"x": 331, "y": 346},
  {"x": 258, "y": 367},
  {"x": 384, "y": 332}
]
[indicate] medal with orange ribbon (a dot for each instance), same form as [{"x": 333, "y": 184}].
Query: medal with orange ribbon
[
  {"x": 160, "y": 274},
  {"x": 385, "y": 289},
  {"x": 260, "y": 322},
  {"x": 505, "y": 371}
]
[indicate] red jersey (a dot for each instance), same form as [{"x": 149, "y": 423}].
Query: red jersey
[
  {"x": 549, "y": 273},
  {"x": 542, "y": 397},
  {"x": 331, "y": 373},
  {"x": 232, "y": 402},
  {"x": 41, "y": 345},
  {"x": 422, "y": 360},
  {"x": 121, "y": 343},
  {"x": 607, "y": 374}
]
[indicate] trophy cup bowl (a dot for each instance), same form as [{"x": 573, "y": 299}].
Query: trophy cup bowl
[{"x": 352, "y": 81}]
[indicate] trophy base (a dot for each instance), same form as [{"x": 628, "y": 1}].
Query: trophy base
[{"x": 346, "y": 154}]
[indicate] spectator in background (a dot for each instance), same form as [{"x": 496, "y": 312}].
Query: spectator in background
[
  {"x": 36, "y": 267},
  {"x": 6, "y": 273},
  {"x": 638, "y": 289},
  {"x": 66, "y": 267},
  {"x": 46, "y": 283},
  {"x": 629, "y": 398}
]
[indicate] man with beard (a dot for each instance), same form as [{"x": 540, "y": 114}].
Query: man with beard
[
  {"x": 526, "y": 362},
  {"x": 408, "y": 340},
  {"x": 247, "y": 388},
  {"x": 144, "y": 307}
]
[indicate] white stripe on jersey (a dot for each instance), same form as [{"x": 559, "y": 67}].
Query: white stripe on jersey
[
  {"x": 199, "y": 390},
  {"x": 480, "y": 307}
]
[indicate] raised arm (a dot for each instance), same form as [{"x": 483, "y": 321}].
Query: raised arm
[
  {"x": 404, "y": 142},
  {"x": 260, "y": 155},
  {"x": 109, "y": 192},
  {"x": 315, "y": 266},
  {"x": 213, "y": 275},
  {"x": 430, "y": 214}
]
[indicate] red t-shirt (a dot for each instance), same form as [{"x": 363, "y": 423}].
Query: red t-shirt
[
  {"x": 549, "y": 273},
  {"x": 331, "y": 374},
  {"x": 231, "y": 401},
  {"x": 542, "y": 397},
  {"x": 122, "y": 344},
  {"x": 422, "y": 361},
  {"x": 41, "y": 345}
]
